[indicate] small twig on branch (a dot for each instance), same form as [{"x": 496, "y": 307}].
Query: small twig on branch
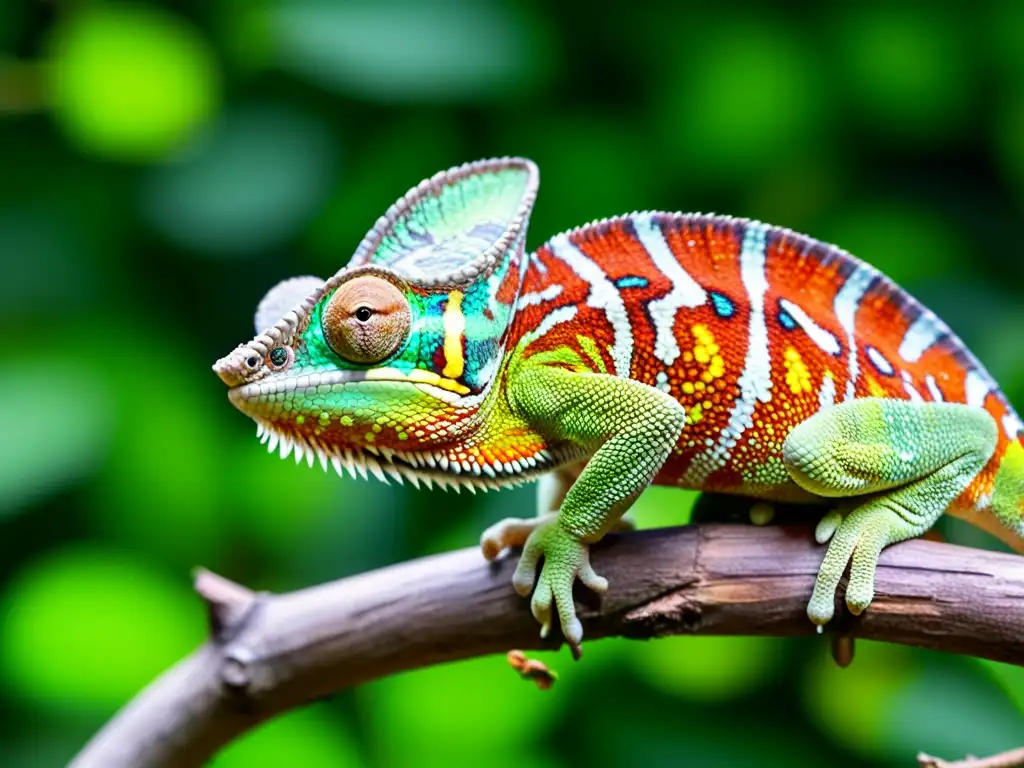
[
  {"x": 270, "y": 653},
  {"x": 1012, "y": 759}
]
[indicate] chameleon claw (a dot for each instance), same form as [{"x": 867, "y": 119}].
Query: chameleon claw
[
  {"x": 827, "y": 526},
  {"x": 509, "y": 533},
  {"x": 761, "y": 513}
]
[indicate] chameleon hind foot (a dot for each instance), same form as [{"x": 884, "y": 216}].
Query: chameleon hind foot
[
  {"x": 910, "y": 460},
  {"x": 858, "y": 540},
  {"x": 566, "y": 559}
]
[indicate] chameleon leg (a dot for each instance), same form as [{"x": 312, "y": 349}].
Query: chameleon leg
[
  {"x": 551, "y": 490},
  {"x": 631, "y": 429},
  {"x": 910, "y": 459}
]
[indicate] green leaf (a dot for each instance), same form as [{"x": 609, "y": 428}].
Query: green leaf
[
  {"x": 131, "y": 82},
  {"x": 408, "y": 51},
  {"x": 51, "y": 439},
  {"x": 85, "y": 628},
  {"x": 313, "y": 737},
  {"x": 247, "y": 185}
]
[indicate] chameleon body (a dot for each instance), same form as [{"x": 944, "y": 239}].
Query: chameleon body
[{"x": 699, "y": 351}]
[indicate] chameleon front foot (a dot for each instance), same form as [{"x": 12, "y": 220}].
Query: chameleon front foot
[
  {"x": 566, "y": 559},
  {"x": 510, "y": 532},
  {"x": 514, "y": 531}
]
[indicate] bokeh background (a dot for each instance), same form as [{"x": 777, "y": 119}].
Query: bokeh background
[{"x": 163, "y": 164}]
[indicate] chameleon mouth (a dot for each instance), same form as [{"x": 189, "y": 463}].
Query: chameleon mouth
[
  {"x": 428, "y": 467},
  {"x": 427, "y": 382}
]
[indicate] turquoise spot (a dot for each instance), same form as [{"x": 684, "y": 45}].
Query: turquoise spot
[
  {"x": 723, "y": 305},
  {"x": 786, "y": 320},
  {"x": 631, "y": 281}
]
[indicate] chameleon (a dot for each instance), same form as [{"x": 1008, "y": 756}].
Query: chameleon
[{"x": 693, "y": 350}]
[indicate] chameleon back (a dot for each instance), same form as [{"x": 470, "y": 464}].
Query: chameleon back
[{"x": 753, "y": 329}]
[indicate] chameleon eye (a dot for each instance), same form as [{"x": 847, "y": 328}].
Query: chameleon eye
[
  {"x": 280, "y": 357},
  {"x": 366, "y": 320}
]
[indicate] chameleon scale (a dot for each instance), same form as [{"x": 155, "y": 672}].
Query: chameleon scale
[{"x": 700, "y": 351}]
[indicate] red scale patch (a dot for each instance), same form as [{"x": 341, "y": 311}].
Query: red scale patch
[{"x": 707, "y": 387}]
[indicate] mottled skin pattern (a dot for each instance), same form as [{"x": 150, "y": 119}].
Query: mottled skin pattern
[{"x": 698, "y": 351}]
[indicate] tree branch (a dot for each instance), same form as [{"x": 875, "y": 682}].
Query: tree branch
[{"x": 270, "y": 653}]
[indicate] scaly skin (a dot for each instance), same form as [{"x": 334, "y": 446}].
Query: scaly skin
[{"x": 698, "y": 351}]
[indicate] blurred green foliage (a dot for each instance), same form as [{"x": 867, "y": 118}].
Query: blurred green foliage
[{"x": 164, "y": 163}]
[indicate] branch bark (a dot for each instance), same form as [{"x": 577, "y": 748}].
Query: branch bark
[{"x": 270, "y": 653}]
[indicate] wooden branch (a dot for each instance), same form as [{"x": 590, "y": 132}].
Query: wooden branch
[{"x": 270, "y": 653}]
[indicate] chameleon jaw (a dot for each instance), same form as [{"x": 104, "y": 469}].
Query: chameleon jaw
[{"x": 427, "y": 466}]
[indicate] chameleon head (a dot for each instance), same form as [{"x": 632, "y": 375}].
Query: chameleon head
[
  {"x": 353, "y": 372},
  {"x": 395, "y": 355}
]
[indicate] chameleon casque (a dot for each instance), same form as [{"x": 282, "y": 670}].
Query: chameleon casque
[{"x": 700, "y": 351}]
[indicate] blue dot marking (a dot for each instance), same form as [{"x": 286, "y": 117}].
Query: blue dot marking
[
  {"x": 631, "y": 281},
  {"x": 786, "y": 320},
  {"x": 723, "y": 305}
]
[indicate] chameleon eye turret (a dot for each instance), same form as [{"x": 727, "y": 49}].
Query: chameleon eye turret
[
  {"x": 367, "y": 319},
  {"x": 280, "y": 358}
]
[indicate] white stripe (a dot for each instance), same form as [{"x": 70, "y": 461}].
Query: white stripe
[
  {"x": 537, "y": 297},
  {"x": 1012, "y": 424},
  {"x": 604, "y": 296},
  {"x": 846, "y": 304},
  {"x": 560, "y": 315},
  {"x": 976, "y": 388},
  {"x": 933, "y": 388},
  {"x": 825, "y": 340},
  {"x": 756, "y": 380},
  {"x": 921, "y": 334},
  {"x": 827, "y": 393},
  {"x": 910, "y": 389},
  {"x": 685, "y": 290},
  {"x": 878, "y": 360}
]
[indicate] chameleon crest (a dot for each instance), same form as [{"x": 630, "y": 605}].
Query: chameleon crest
[{"x": 700, "y": 351}]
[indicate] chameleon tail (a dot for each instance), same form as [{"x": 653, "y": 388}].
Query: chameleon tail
[{"x": 1008, "y": 492}]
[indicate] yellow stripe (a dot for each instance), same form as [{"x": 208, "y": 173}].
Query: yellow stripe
[
  {"x": 454, "y": 327},
  {"x": 417, "y": 376}
]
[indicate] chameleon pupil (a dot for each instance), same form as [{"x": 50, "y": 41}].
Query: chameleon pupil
[
  {"x": 363, "y": 314},
  {"x": 278, "y": 356}
]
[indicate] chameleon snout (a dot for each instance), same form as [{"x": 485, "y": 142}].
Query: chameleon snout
[{"x": 238, "y": 367}]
